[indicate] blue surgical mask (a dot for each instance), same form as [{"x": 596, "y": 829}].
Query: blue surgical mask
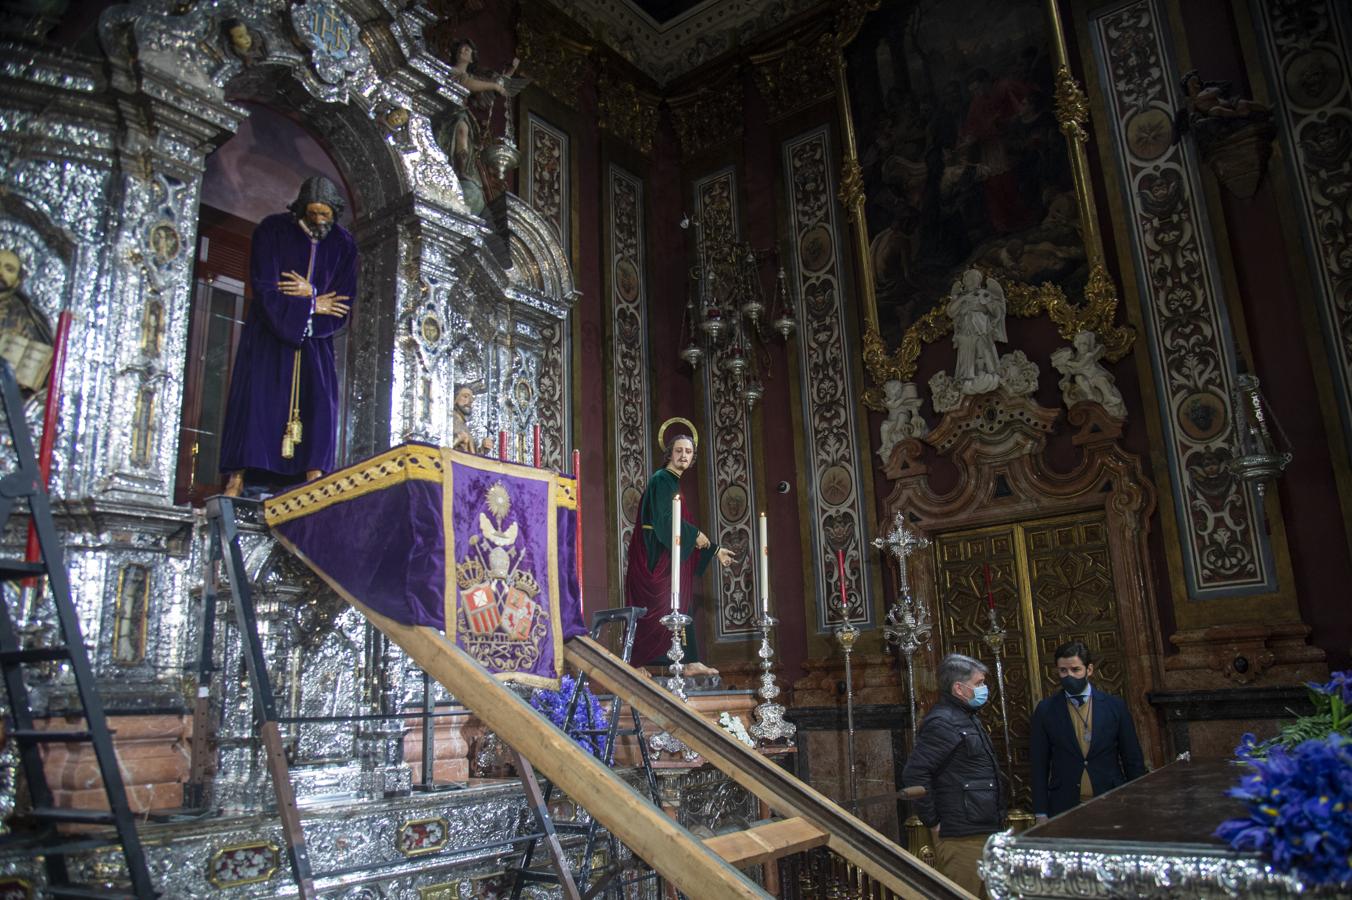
[{"x": 980, "y": 694}]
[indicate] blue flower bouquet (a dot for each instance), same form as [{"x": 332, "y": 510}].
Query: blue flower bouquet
[
  {"x": 1299, "y": 794},
  {"x": 587, "y": 713}
]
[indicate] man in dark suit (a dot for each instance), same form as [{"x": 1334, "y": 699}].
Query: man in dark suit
[{"x": 1083, "y": 742}]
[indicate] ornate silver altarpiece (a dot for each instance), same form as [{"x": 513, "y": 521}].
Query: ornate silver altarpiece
[{"x": 101, "y": 165}]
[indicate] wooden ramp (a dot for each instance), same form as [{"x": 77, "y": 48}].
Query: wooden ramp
[{"x": 699, "y": 869}]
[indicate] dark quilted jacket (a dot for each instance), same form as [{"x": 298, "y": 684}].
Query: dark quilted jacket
[{"x": 954, "y": 761}]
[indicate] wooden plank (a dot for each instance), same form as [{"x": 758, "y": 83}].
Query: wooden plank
[
  {"x": 676, "y": 854},
  {"x": 880, "y": 858},
  {"x": 765, "y": 843}
]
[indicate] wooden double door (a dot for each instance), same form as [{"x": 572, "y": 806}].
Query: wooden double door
[{"x": 1052, "y": 582}]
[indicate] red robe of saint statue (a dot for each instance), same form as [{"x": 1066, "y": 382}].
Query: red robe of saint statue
[{"x": 647, "y": 576}]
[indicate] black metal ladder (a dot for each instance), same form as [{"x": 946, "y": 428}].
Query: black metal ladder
[
  {"x": 225, "y": 559},
  {"x": 628, "y": 617},
  {"x": 27, "y": 483}
]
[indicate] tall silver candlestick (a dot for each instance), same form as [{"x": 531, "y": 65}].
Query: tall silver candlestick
[
  {"x": 994, "y": 638},
  {"x": 847, "y": 634},
  {"x": 908, "y": 626},
  {"x": 908, "y": 621},
  {"x": 665, "y": 742},
  {"x": 770, "y": 724}
]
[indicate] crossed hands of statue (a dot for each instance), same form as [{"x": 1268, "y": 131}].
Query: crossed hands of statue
[
  {"x": 332, "y": 304},
  {"x": 294, "y": 284}
]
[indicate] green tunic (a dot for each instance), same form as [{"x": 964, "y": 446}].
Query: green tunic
[{"x": 655, "y": 515}]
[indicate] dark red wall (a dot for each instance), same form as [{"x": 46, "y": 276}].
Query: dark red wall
[{"x": 1275, "y": 304}]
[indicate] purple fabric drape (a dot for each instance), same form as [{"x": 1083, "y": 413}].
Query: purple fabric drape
[
  {"x": 260, "y": 387},
  {"x": 388, "y": 549},
  {"x": 570, "y": 596},
  {"x": 384, "y": 548}
]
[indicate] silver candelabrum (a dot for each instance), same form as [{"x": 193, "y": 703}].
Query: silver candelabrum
[
  {"x": 770, "y": 724},
  {"x": 665, "y": 742},
  {"x": 909, "y": 626},
  {"x": 908, "y": 621}
]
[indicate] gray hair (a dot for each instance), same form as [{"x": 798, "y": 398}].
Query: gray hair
[{"x": 954, "y": 668}]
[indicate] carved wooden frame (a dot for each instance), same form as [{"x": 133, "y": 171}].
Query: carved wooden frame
[{"x": 995, "y": 440}]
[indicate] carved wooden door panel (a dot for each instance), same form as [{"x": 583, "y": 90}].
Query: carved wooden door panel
[
  {"x": 1051, "y": 581},
  {"x": 962, "y": 558},
  {"x": 1071, "y": 581}
]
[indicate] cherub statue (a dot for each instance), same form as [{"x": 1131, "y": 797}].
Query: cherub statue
[
  {"x": 1018, "y": 374},
  {"x": 903, "y": 416},
  {"x": 1083, "y": 377},
  {"x": 1212, "y": 111},
  {"x": 976, "y": 304},
  {"x": 1234, "y": 135},
  {"x": 945, "y": 393},
  {"x": 246, "y": 44}
]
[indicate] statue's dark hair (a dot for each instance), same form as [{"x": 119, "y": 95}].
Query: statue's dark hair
[
  {"x": 671, "y": 444},
  {"x": 454, "y": 52},
  {"x": 318, "y": 189}
]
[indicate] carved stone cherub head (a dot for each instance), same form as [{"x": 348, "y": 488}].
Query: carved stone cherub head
[{"x": 243, "y": 42}]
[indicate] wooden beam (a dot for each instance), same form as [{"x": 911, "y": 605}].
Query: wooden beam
[
  {"x": 890, "y": 865},
  {"x": 768, "y": 842},
  {"x": 676, "y": 854}
]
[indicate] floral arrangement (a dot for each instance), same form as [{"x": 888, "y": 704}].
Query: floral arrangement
[
  {"x": 586, "y": 715},
  {"x": 733, "y": 726},
  {"x": 1299, "y": 795}
]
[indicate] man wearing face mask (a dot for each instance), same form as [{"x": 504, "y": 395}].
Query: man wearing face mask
[
  {"x": 1083, "y": 742},
  {"x": 954, "y": 761}
]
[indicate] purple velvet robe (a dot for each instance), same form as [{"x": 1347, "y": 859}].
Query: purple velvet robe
[{"x": 260, "y": 387}]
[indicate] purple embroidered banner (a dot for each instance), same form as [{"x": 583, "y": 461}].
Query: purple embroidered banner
[{"x": 479, "y": 549}]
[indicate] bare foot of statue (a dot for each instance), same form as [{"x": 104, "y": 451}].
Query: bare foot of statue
[
  {"x": 234, "y": 485},
  {"x": 313, "y": 474}
]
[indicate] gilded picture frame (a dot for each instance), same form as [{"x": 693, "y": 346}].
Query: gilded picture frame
[{"x": 976, "y": 163}]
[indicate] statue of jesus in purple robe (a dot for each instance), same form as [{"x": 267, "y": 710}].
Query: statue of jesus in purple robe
[
  {"x": 281, "y": 417},
  {"x": 648, "y": 573}
]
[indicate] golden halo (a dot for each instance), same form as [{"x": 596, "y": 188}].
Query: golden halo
[{"x": 674, "y": 420}]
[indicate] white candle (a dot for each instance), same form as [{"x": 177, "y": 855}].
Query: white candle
[
  {"x": 676, "y": 553},
  {"x": 764, "y": 568}
]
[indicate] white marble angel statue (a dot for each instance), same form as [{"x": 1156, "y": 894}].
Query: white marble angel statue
[
  {"x": 976, "y": 304},
  {"x": 903, "y": 420},
  {"x": 1083, "y": 377}
]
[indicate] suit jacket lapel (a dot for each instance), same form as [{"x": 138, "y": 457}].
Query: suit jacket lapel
[{"x": 1066, "y": 716}]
